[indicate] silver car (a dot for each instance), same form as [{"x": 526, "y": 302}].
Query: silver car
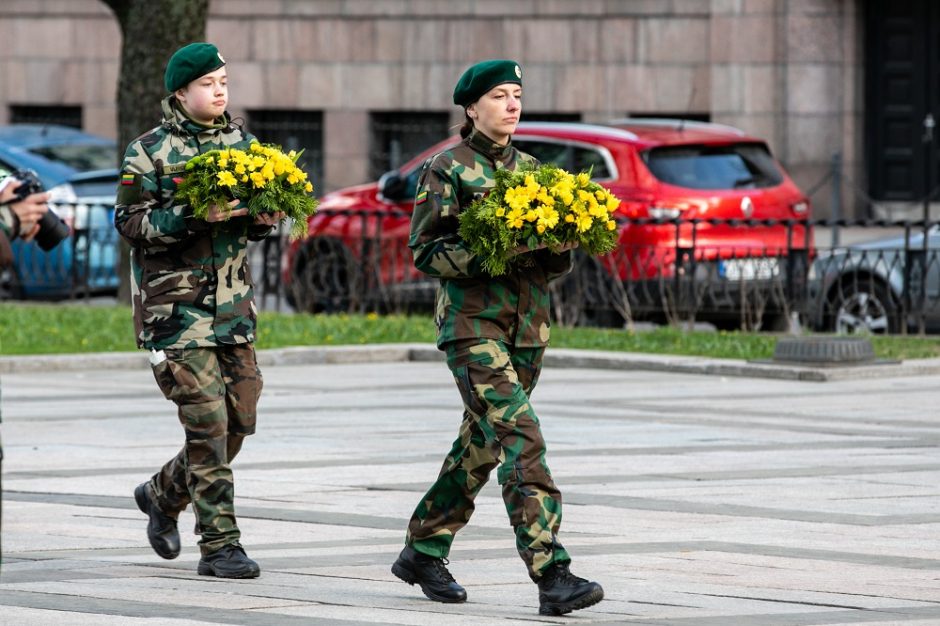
[{"x": 883, "y": 286}]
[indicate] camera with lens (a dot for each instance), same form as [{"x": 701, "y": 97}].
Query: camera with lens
[{"x": 52, "y": 230}]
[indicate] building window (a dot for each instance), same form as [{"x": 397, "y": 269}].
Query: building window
[
  {"x": 545, "y": 116},
  {"x": 293, "y": 130},
  {"x": 46, "y": 114},
  {"x": 398, "y": 136}
]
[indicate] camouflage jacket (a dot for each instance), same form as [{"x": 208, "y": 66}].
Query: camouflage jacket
[
  {"x": 8, "y": 221},
  {"x": 190, "y": 283},
  {"x": 514, "y": 307},
  {"x": 9, "y": 224}
]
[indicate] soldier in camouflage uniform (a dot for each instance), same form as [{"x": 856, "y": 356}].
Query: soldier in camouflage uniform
[
  {"x": 494, "y": 331},
  {"x": 194, "y": 309},
  {"x": 17, "y": 219}
]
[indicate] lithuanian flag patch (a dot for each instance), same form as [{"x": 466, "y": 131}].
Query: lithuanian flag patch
[
  {"x": 421, "y": 197},
  {"x": 127, "y": 179}
]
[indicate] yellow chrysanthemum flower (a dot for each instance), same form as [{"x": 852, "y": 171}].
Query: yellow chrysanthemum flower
[
  {"x": 257, "y": 179},
  {"x": 514, "y": 218},
  {"x": 584, "y": 222},
  {"x": 226, "y": 179},
  {"x": 500, "y": 212},
  {"x": 308, "y": 187},
  {"x": 611, "y": 224}
]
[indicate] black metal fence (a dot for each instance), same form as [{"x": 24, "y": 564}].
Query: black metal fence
[
  {"x": 81, "y": 265},
  {"x": 749, "y": 274}
]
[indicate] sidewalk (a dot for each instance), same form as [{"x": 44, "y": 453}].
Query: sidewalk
[{"x": 694, "y": 498}]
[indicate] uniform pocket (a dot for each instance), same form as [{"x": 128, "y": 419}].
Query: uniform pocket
[
  {"x": 189, "y": 377},
  {"x": 470, "y": 366}
]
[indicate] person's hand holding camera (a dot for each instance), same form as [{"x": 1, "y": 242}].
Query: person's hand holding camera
[{"x": 28, "y": 211}]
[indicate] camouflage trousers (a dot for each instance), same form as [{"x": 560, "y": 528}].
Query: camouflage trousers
[
  {"x": 216, "y": 391},
  {"x": 499, "y": 430}
]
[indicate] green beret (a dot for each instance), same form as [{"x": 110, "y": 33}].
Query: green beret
[
  {"x": 189, "y": 63},
  {"x": 480, "y": 78}
]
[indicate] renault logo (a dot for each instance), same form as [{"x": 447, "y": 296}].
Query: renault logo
[{"x": 747, "y": 207}]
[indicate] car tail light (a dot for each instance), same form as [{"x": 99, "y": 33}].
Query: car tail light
[{"x": 800, "y": 208}]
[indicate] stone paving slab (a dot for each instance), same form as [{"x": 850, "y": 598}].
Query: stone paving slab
[{"x": 694, "y": 498}]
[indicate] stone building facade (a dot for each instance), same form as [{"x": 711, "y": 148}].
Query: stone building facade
[{"x": 356, "y": 72}]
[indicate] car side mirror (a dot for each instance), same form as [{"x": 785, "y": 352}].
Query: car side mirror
[{"x": 392, "y": 186}]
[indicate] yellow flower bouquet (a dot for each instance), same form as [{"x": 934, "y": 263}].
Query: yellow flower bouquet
[
  {"x": 266, "y": 179},
  {"x": 532, "y": 207}
]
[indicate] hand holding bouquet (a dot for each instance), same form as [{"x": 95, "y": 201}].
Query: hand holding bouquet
[
  {"x": 546, "y": 207},
  {"x": 264, "y": 177}
]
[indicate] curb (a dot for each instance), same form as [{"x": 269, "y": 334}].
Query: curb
[{"x": 555, "y": 357}]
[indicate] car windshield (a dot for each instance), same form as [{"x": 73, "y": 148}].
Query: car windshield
[
  {"x": 737, "y": 166},
  {"x": 83, "y": 158}
]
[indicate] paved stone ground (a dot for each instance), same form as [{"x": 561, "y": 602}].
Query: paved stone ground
[{"x": 694, "y": 499}]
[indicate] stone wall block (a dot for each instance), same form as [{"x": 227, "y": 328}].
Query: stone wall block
[
  {"x": 632, "y": 88},
  {"x": 813, "y": 138},
  {"x": 673, "y": 40},
  {"x": 618, "y": 40},
  {"x": 319, "y": 86},
  {"x": 813, "y": 88},
  {"x": 539, "y": 41},
  {"x": 814, "y": 38},
  {"x": 743, "y": 39},
  {"x": 246, "y": 85},
  {"x": 41, "y": 38}
]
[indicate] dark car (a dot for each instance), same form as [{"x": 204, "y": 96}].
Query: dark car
[
  {"x": 688, "y": 172},
  {"x": 884, "y": 286},
  {"x": 79, "y": 170}
]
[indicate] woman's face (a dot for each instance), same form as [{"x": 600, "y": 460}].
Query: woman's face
[
  {"x": 496, "y": 113},
  {"x": 205, "y": 98}
]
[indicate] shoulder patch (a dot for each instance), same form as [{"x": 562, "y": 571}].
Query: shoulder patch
[
  {"x": 421, "y": 197},
  {"x": 129, "y": 189}
]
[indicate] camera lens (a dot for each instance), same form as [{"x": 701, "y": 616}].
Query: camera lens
[{"x": 52, "y": 231}]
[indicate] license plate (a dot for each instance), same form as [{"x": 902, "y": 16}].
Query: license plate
[{"x": 750, "y": 269}]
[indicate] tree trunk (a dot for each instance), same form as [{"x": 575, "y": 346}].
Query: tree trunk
[{"x": 152, "y": 30}]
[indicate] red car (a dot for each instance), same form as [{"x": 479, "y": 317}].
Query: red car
[{"x": 687, "y": 189}]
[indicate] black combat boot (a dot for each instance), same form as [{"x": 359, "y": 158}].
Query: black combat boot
[
  {"x": 161, "y": 529},
  {"x": 228, "y": 562},
  {"x": 561, "y": 592},
  {"x": 429, "y": 572}
]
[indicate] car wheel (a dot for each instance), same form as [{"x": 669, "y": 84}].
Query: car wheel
[
  {"x": 325, "y": 277},
  {"x": 583, "y": 297},
  {"x": 863, "y": 305}
]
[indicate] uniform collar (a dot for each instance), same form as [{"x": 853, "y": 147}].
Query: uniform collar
[
  {"x": 176, "y": 120},
  {"x": 486, "y": 146}
]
